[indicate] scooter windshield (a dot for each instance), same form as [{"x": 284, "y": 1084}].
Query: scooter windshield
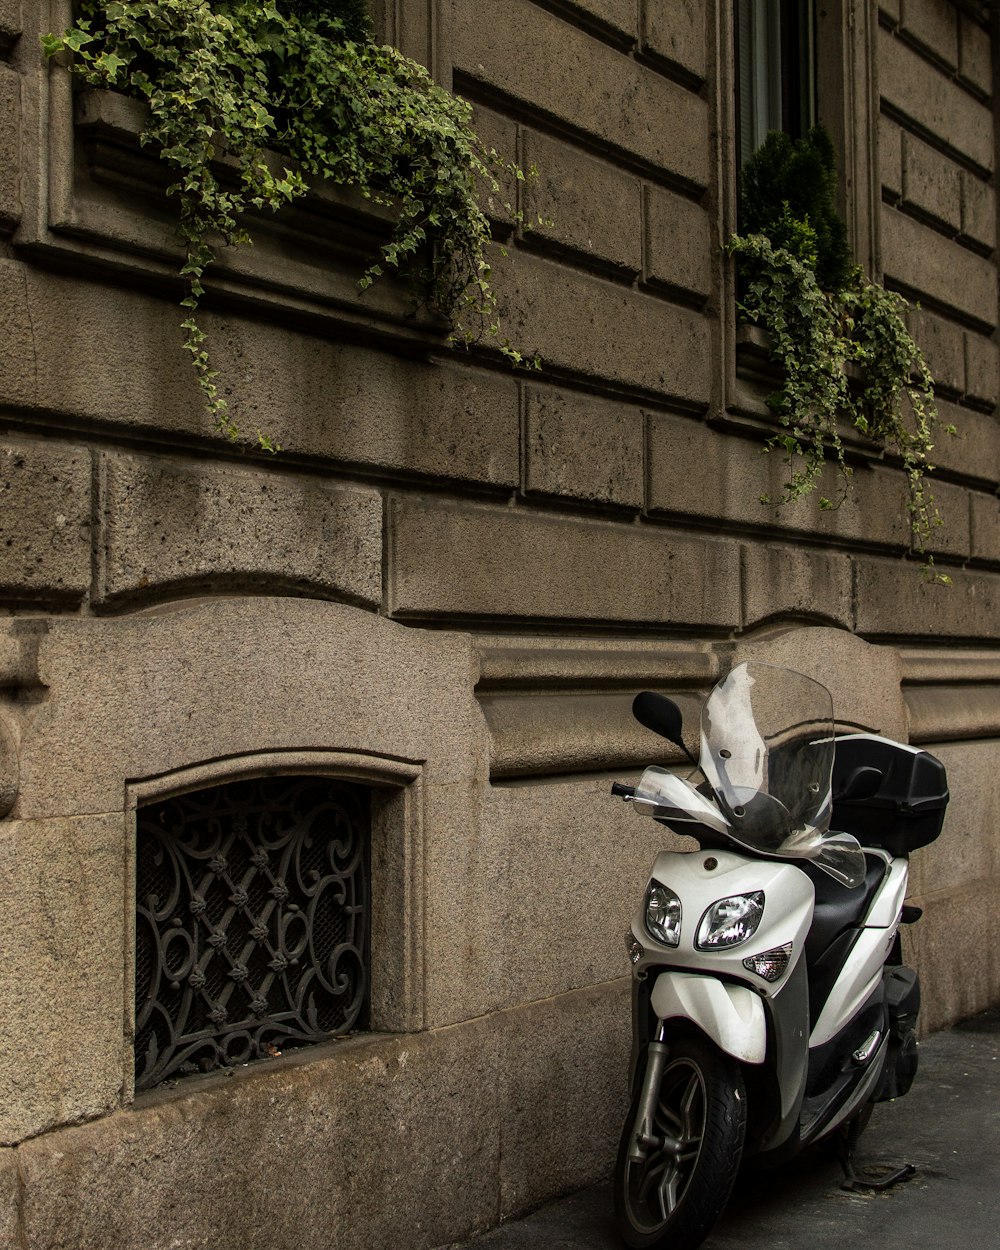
[{"x": 767, "y": 747}]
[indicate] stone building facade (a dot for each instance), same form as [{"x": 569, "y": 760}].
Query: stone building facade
[{"x": 445, "y": 590}]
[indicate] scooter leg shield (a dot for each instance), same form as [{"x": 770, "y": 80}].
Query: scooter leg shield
[{"x": 731, "y": 1015}]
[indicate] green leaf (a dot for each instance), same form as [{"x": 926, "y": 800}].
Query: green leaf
[{"x": 77, "y": 39}]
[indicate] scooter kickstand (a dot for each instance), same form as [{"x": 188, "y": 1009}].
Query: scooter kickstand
[{"x": 854, "y": 1182}]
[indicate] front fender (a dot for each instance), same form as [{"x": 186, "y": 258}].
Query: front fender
[{"x": 731, "y": 1015}]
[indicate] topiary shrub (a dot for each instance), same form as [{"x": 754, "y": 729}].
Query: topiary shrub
[{"x": 788, "y": 181}]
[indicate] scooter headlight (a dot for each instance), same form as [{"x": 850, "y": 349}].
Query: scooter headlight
[
  {"x": 730, "y": 921},
  {"x": 663, "y": 914}
]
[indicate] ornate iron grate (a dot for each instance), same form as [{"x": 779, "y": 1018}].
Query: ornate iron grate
[{"x": 251, "y": 922}]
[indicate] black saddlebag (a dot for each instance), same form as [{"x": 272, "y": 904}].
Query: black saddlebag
[{"x": 902, "y": 992}]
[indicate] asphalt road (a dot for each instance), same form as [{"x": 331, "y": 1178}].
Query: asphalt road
[{"x": 948, "y": 1126}]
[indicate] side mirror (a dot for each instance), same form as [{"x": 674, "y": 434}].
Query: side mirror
[{"x": 661, "y": 715}]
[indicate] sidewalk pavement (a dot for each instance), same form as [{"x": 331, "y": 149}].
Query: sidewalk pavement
[{"x": 948, "y": 1125}]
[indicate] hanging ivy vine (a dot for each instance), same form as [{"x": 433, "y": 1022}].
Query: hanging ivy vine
[
  {"x": 822, "y": 314},
  {"x": 304, "y": 79}
]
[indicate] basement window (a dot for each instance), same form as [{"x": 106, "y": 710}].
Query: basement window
[{"x": 252, "y": 922}]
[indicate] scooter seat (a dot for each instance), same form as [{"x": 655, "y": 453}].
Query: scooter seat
[{"x": 838, "y": 909}]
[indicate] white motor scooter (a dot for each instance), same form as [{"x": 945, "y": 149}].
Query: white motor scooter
[{"x": 771, "y": 1008}]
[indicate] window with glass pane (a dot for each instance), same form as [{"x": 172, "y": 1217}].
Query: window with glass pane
[{"x": 776, "y": 70}]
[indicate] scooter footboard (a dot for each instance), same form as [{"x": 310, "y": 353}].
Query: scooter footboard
[{"x": 731, "y": 1015}]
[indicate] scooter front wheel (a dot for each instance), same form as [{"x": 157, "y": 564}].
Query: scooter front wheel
[{"x": 670, "y": 1199}]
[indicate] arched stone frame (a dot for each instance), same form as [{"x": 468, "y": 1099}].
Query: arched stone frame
[
  {"x": 396, "y": 885},
  {"x": 118, "y": 711}
]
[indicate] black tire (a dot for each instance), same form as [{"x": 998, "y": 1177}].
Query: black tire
[{"x": 671, "y": 1200}]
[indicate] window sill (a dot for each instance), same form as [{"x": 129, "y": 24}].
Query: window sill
[
  {"x": 757, "y": 376},
  {"x": 108, "y": 208}
]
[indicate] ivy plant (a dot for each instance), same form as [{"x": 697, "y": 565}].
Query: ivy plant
[
  {"x": 228, "y": 83},
  {"x": 822, "y": 315}
]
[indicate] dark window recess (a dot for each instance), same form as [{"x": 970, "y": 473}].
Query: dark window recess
[
  {"x": 252, "y": 922},
  {"x": 775, "y": 70}
]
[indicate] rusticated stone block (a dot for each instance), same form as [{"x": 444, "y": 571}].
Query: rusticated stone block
[
  {"x": 697, "y": 471},
  {"x": 18, "y": 364},
  {"x": 975, "y": 61},
  {"x": 359, "y": 406},
  {"x": 945, "y": 940},
  {"x": 981, "y": 367},
  {"x": 491, "y": 562},
  {"x": 951, "y": 537},
  {"x": 44, "y": 521},
  {"x": 796, "y": 581},
  {"x": 553, "y": 733},
  {"x": 890, "y": 155},
  {"x": 167, "y": 525},
  {"x": 226, "y": 676},
  {"x": 985, "y": 527},
  {"x": 595, "y": 209},
  {"x": 10, "y": 1199},
  {"x": 979, "y": 210},
  {"x": 546, "y": 1080},
  {"x": 313, "y": 396},
  {"x": 863, "y": 680},
  {"x": 934, "y": 25},
  {"x": 48, "y": 320},
  {"x": 961, "y": 857},
  {"x": 931, "y": 182},
  {"x": 676, "y": 31},
  {"x": 8, "y": 769},
  {"x": 536, "y": 831},
  {"x": 975, "y": 449},
  {"x": 943, "y": 346},
  {"x": 919, "y": 257},
  {"x": 11, "y": 23},
  {"x": 678, "y": 242},
  {"x": 968, "y": 709},
  {"x": 894, "y": 600},
  {"x": 583, "y": 448},
  {"x": 61, "y": 996},
  {"x": 605, "y": 329},
  {"x": 10, "y": 147},
  {"x": 561, "y": 1121},
  {"x": 251, "y": 1154},
  {"x": 530, "y": 54},
  {"x": 499, "y": 134},
  {"x": 619, "y": 14},
  {"x": 940, "y": 105}
]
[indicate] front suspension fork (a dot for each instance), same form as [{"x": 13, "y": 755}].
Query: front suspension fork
[{"x": 644, "y": 1136}]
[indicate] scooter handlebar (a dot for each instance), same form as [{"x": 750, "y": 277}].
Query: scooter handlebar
[{"x": 623, "y": 791}]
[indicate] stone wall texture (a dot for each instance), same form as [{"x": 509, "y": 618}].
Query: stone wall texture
[{"x": 449, "y": 584}]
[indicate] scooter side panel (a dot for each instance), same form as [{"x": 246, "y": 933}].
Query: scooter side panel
[
  {"x": 863, "y": 970},
  {"x": 858, "y": 980},
  {"x": 789, "y": 1012},
  {"x": 731, "y": 1015},
  {"x": 888, "y": 903}
]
